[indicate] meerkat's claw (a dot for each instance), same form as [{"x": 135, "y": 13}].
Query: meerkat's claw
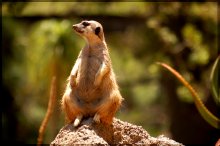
[
  {"x": 97, "y": 118},
  {"x": 77, "y": 120}
]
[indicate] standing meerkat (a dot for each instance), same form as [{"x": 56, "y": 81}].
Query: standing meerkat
[{"x": 92, "y": 89}]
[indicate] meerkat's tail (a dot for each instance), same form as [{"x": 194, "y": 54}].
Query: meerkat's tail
[{"x": 77, "y": 120}]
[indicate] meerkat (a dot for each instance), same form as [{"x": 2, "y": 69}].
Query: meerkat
[{"x": 92, "y": 89}]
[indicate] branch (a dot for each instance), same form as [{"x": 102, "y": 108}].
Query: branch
[{"x": 50, "y": 109}]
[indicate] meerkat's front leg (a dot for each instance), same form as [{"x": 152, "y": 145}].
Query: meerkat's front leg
[
  {"x": 73, "y": 73},
  {"x": 103, "y": 69}
]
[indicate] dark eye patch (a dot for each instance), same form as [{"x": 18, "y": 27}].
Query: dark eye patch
[
  {"x": 97, "y": 30},
  {"x": 85, "y": 23}
]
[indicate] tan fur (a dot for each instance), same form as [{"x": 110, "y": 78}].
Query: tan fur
[{"x": 92, "y": 89}]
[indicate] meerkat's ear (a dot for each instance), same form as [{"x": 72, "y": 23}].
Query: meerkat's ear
[{"x": 97, "y": 30}]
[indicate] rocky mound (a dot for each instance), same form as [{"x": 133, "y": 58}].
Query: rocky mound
[{"x": 118, "y": 133}]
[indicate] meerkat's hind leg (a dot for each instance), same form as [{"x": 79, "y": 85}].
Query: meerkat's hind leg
[
  {"x": 77, "y": 120},
  {"x": 96, "y": 118}
]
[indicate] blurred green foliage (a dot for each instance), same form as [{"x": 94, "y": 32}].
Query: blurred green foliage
[{"x": 38, "y": 43}]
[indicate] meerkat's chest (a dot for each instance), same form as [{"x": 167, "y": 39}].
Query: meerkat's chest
[
  {"x": 89, "y": 67},
  {"x": 91, "y": 64}
]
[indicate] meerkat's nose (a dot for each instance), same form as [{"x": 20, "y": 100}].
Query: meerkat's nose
[
  {"x": 77, "y": 28},
  {"x": 74, "y": 27}
]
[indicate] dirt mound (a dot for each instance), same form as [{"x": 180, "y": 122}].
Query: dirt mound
[{"x": 118, "y": 133}]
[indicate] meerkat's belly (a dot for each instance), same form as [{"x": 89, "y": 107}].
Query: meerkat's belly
[
  {"x": 86, "y": 95},
  {"x": 88, "y": 69}
]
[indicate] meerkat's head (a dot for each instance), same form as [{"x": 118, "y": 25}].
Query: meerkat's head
[{"x": 90, "y": 30}]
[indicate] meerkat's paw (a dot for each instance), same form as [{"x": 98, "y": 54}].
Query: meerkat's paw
[
  {"x": 77, "y": 120},
  {"x": 96, "y": 118}
]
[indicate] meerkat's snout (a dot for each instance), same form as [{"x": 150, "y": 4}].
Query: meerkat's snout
[
  {"x": 74, "y": 27},
  {"x": 77, "y": 28},
  {"x": 80, "y": 27}
]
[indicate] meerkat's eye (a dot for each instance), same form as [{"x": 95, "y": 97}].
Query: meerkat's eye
[
  {"x": 97, "y": 30},
  {"x": 85, "y": 23}
]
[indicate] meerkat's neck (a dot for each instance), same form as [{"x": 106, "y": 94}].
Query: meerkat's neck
[{"x": 95, "y": 45}]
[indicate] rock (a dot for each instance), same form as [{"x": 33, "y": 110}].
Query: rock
[{"x": 118, "y": 133}]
